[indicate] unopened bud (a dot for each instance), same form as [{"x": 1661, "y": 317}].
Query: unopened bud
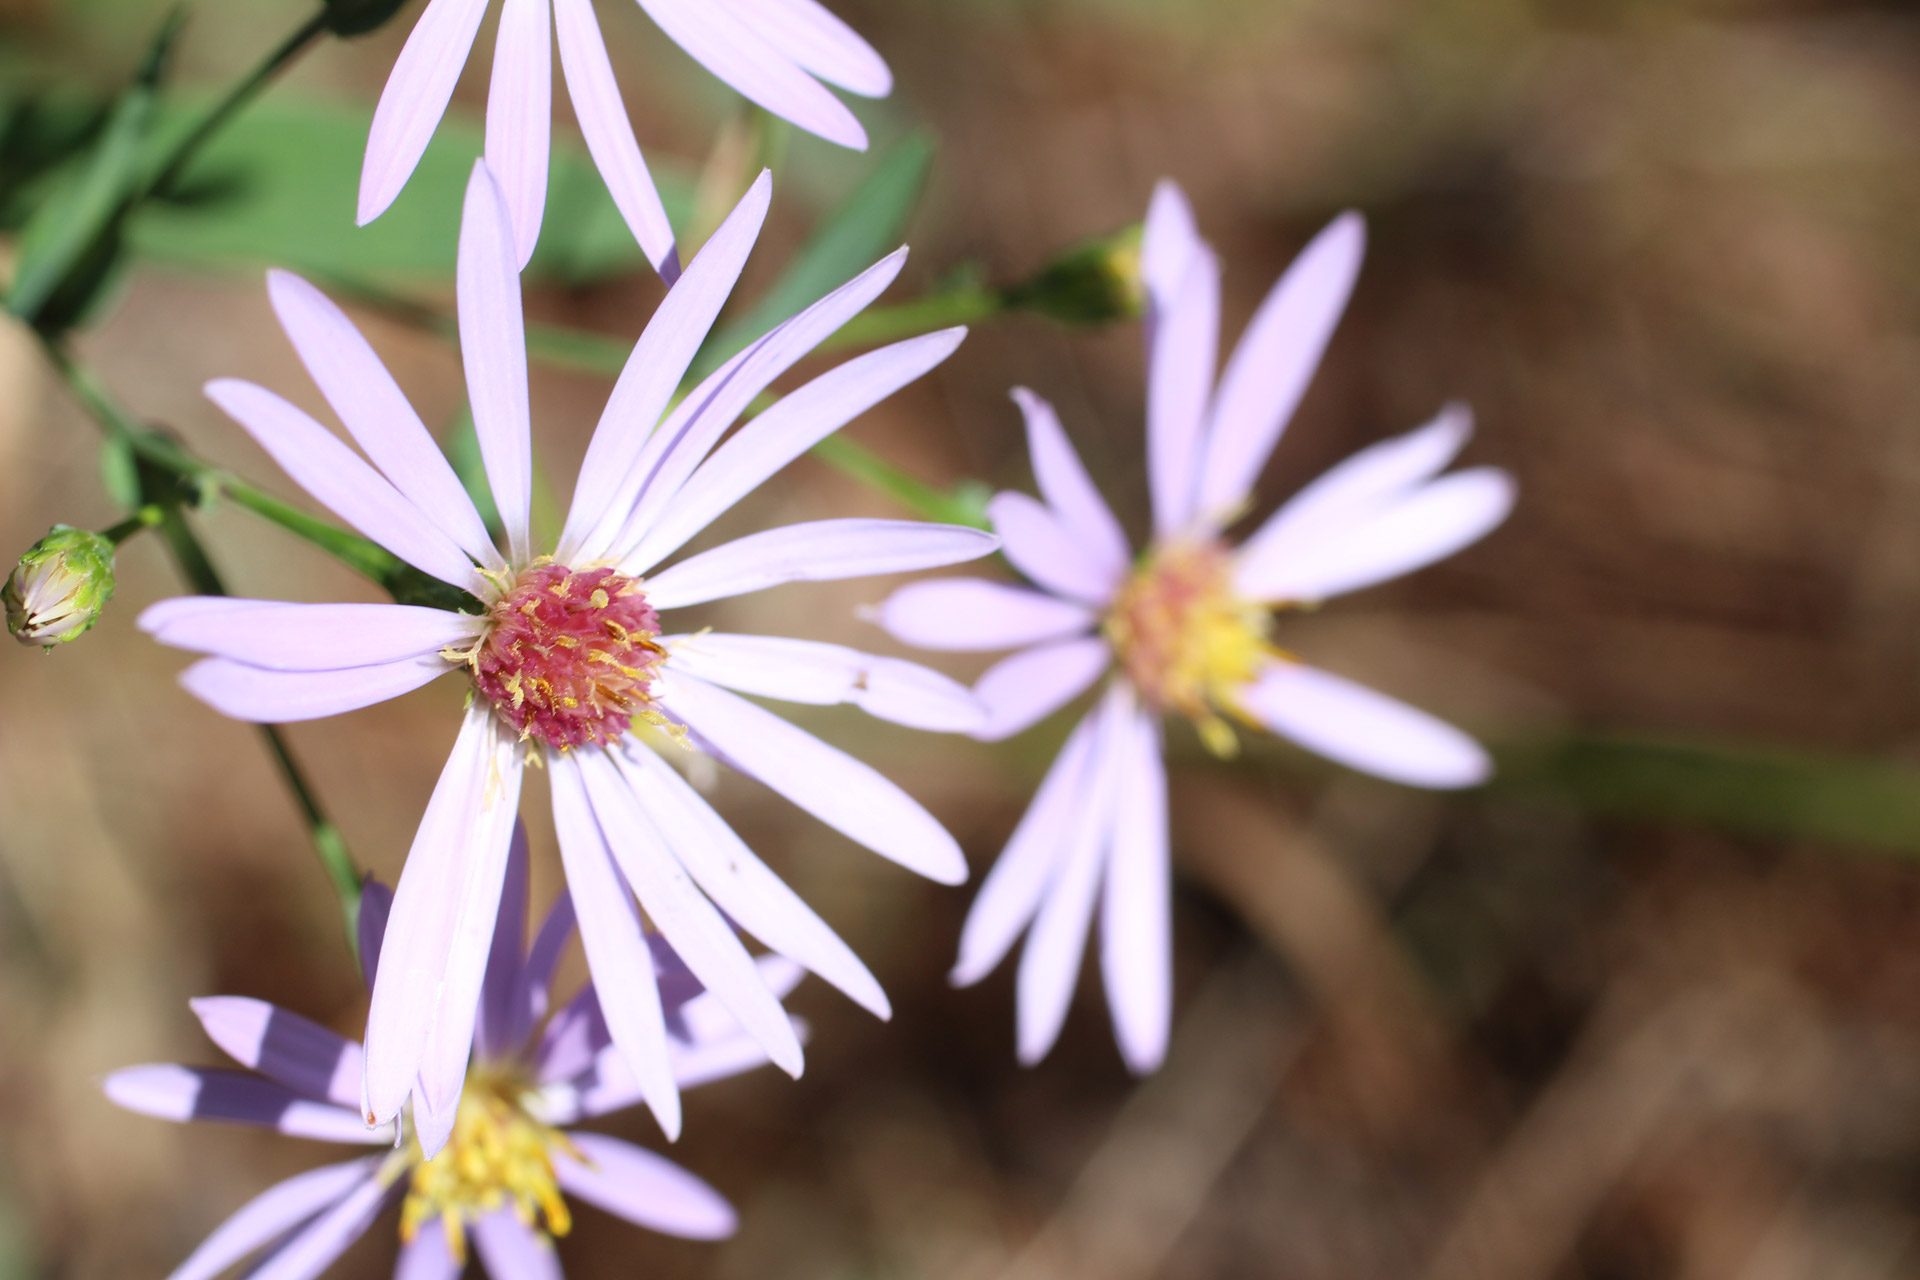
[
  {"x": 59, "y": 587},
  {"x": 1094, "y": 283}
]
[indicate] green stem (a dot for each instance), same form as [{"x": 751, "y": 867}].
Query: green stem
[
  {"x": 146, "y": 517},
  {"x": 877, "y": 326}
]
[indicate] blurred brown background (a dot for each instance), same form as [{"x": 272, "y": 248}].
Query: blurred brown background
[{"x": 1665, "y": 250}]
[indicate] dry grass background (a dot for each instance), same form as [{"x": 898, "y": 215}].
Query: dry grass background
[{"x": 1666, "y": 251}]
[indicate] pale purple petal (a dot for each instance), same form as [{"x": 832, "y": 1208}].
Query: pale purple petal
[
  {"x": 303, "y": 1055},
  {"x": 1185, "y": 344},
  {"x": 759, "y": 72},
  {"x": 415, "y": 98},
  {"x": 1365, "y": 547},
  {"x": 273, "y": 1213},
  {"x": 1069, "y": 490},
  {"x": 170, "y": 1092},
  {"x": 536, "y": 976},
  {"x": 824, "y": 674},
  {"x": 520, "y": 116},
  {"x": 702, "y": 1019},
  {"x": 1136, "y": 918},
  {"x": 376, "y": 904},
  {"x": 317, "y": 1245},
  {"x": 1012, "y": 890},
  {"x": 432, "y": 1122},
  {"x": 284, "y": 697},
  {"x": 604, "y": 495},
  {"x": 511, "y": 1250},
  {"x": 1273, "y": 364},
  {"x": 1168, "y": 244},
  {"x": 375, "y": 412},
  {"x": 617, "y": 951},
  {"x": 426, "y": 1256},
  {"x": 740, "y": 884},
  {"x": 819, "y": 42},
  {"x": 502, "y": 1023},
  {"x": 1038, "y": 544},
  {"x": 1365, "y": 730},
  {"x": 1022, "y": 690},
  {"x": 778, "y": 435},
  {"x": 816, "y": 551},
  {"x": 310, "y": 637},
  {"x": 690, "y": 923},
  {"x": 493, "y": 349},
  {"x": 968, "y": 614},
  {"x": 609, "y": 133},
  {"x": 319, "y": 462},
  {"x": 645, "y": 1189},
  {"x": 842, "y": 792}
]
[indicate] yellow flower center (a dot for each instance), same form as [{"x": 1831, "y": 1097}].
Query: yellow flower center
[
  {"x": 1186, "y": 640},
  {"x": 498, "y": 1156}
]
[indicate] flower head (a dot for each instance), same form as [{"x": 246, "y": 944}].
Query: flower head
[
  {"x": 1188, "y": 627},
  {"x": 56, "y": 592}
]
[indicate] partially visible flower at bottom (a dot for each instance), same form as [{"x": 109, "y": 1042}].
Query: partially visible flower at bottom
[{"x": 501, "y": 1177}]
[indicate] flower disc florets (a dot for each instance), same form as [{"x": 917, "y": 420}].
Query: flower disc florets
[
  {"x": 1185, "y": 640},
  {"x": 569, "y": 656},
  {"x": 498, "y": 1157}
]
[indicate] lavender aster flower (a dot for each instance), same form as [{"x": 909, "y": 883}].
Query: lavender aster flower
[
  {"x": 1186, "y": 626},
  {"x": 571, "y": 651},
  {"x": 501, "y": 1176},
  {"x": 774, "y": 52}
]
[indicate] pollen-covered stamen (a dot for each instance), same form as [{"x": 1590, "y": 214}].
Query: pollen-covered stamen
[
  {"x": 498, "y": 1157},
  {"x": 1186, "y": 640},
  {"x": 569, "y": 656}
]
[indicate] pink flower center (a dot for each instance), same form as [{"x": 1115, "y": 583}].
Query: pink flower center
[{"x": 569, "y": 656}]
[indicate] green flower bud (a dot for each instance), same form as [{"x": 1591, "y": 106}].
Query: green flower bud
[
  {"x": 1094, "y": 283},
  {"x": 59, "y": 587}
]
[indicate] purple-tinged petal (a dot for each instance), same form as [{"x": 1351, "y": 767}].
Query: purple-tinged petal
[
  {"x": 501, "y": 1023},
  {"x": 493, "y": 349},
  {"x": 169, "y": 1092},
  {"x": 1355, "y": 726},
  {"x": 740, "y": 884},
  {"x": 427, "y": 1257},
  {"x": 759, "y": 72},
  {"x": 1369, "y": 479},
  {"x": 536, "y": 976},
  {"x": 690, "y": 923},
  {"x": 847, "y": 795},
  {"x": 604, "y": 496},
  {"x": 1363, "y": 547},
  {"x": 1068, "y": 489},
  {"x": 777, "y": 436},
  {"x": 415, "y": 98},
  {"x": 1040, "y": 546},
  {"x": 311, "y": 637},
  {"x": 1185, "y": 344},
  {"x": 1168, "y": 244},
  {"x": 1136, "y": 918},
  {"x": 317, "y": 1245},
  {"x": 645, "y": 1189},
  {"x": 816, "y": 551},
  {"x": 511, "y": 1250},
  {"x": 271, "y": 1214},
  {"x": 969, "y": 614},
  {"x": 303, "y": 1055},
  {"x": 432, "y": 1121},
  {"x": 702, "y": 1019},
  {"x": 819, "y": 42},
  {"x": 1022, "y": 690},
  {"x": 375, "y": 412},
  {"x": 520, "y": 117},
  {"x": 325, "y": 467},
  {"x": 284, "y": 697},
  {"x": 824, "y": 674},
  {"x": 376, "y": 904},
  {"x": 617, "y": 953},
  {"x": 609, "y": 133},
  {"x": 1276, "y": 359}
]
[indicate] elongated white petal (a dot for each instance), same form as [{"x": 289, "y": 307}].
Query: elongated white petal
[
  {"x": 285, "y": 697},
  {"x": 1069, "y": 490},
  {"x": 969, "y": 614},
  {"x": 326, "y": 468},
  {"x": 824, "y": 674},
  {"x": 1039, "y": 545},
  {"x": 617, "y": 953},
  {"x": 780, "y": 434},
  {"x": 170, "y": 1092},
  {"x": 1136, "y": 917},
  {"x": 816, "y": 551},
  {"x": 1185, "y": 345},
  {"x": 509, "y": 1247},
  {"x": 271, "y": 1214},
  {"x": 609, "y": 133},
  {"x": 740, "y": 884},
  {"x": 520, "y": 117},
  {"x": 758, "y": 71},
  {"x": 1336, "y": 556},
  {"x": 415, "y": 98},
  {"x": 493, "y": 350},
  {"x": 1276, "y": 359},
  {"x": 376, "y": 413},
  {"x": 1365, "y": 730},
  {"x": 704, "y": 1020},
  {"x": 315, "y": 1246},
  {"x": 1026, "y": 688},
  {"x": 819, "y": 42},
  {"x": 303, "y": 1055},
  {"x": 842, "y": 792},
  {"x": 603, "y": 496},
  {"x": 645, "y": 1189},
  {"x": 309, "y": 637},
  {"x": 1168, "y": 243}
]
